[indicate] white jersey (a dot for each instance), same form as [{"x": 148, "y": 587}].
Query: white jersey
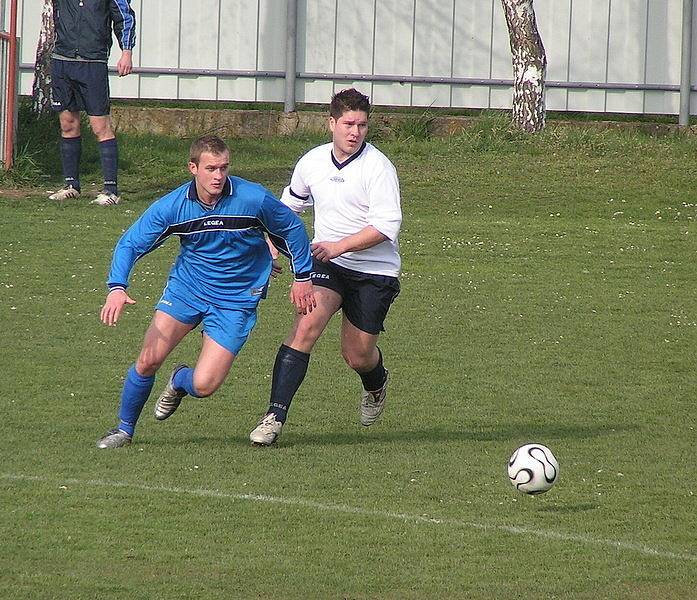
[{"x": 347, "y": 197}]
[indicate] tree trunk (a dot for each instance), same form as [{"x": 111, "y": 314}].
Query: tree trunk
[
  {"x": 529, "y": 65},
  {"x": 41, "y": 89}
]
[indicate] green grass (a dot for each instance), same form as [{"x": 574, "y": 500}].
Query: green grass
[{"x": 548, "y": 295}]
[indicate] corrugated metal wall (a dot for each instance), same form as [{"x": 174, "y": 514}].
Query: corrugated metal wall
[{"x": 603, "y": 55}]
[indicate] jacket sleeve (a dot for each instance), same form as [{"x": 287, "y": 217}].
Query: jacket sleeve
[
  {"x": 124, "y": 19},
  {"x": 147, "y": 233},
  {"x": 287, "y": 232}
]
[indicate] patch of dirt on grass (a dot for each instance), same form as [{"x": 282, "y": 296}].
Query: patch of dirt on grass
[{"x": 20, "y": 193}]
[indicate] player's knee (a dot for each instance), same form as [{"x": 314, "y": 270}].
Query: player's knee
[
  {"x": 306, "y": 334},
  {"x": 70, "y": 126},
  {"x": 104, "y": 134},
  {"x": 205, "y": 387},
  {"x": 147, "y": 365},
  {"x": 358, "y": 361},
  {"x": 101, "y": 127}
]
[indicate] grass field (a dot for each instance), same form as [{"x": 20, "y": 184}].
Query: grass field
[{"x": 549, "y": 294}]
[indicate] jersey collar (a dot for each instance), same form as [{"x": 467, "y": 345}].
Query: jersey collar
[
  {"x": 192, "y": 194},
  {"x": 350, "y": 159}
]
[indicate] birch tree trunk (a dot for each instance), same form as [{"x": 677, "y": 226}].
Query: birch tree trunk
[
  {"x": 529, "y": 65},
  {"x": 41, "y": 88}
]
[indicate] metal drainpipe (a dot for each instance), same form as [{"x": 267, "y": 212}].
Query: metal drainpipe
[
  {"x": 291, "y": 68},
  {"x": 686, "y": 64}
]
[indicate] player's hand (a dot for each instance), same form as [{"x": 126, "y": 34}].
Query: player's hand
[
  {"x": 325, "y": 251},
  {"x": 302, "y": 294},
  {"x": 115, "y": 301},
  {"x": 125, "y": 64},
  {"x": 276, "y": 268}
]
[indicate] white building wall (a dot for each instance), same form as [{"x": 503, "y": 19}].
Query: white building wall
[{"x": 594, "y": 47}]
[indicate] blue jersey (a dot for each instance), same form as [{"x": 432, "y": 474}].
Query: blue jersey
[{"x": 224, "y": 258}]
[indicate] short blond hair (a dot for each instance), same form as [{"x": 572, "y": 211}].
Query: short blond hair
[{"x": 207, "y": 143}]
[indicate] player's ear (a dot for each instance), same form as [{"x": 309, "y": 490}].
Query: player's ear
[
  {"x": 193, "y": 168},
  {"x": 332, "y": 124}
]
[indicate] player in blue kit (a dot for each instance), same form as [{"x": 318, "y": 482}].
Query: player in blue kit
[{"x": 220, "y": 275}]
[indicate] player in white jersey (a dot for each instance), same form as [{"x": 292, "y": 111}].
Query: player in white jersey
[{"x": 354, "y": 191}]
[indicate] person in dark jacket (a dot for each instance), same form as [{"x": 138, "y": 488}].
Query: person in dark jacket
[{"x": 80, "y": 82}]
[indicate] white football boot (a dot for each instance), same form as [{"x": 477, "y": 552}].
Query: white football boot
[
  {"x": 64, "y": 194},
  {"x": 106, "y": 199},
  {"x": 267, "y": 431}
]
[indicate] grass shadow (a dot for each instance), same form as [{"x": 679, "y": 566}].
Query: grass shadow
[{"x": 431, "y": 435}]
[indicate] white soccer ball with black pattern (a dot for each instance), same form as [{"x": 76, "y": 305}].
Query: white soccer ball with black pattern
[{"x": 533, "y": 469}]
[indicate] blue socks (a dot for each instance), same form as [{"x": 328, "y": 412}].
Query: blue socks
[
  {"x": 136, "y": 389},
  {"x": 184, "y": 380},
  {"x": 70, "y": 151},
  {"x": 109, "y": 157}
]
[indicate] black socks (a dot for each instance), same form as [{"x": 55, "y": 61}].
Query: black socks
[
  {"x": 374, "y": 379},
  {"x": 289, "y": 370}
]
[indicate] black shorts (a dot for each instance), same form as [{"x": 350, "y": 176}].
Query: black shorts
[
  {"x": 80, "y": 85},
  {"x": 366, "y": 298}
]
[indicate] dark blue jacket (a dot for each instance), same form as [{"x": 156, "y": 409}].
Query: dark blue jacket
[{"x": 83, "y": 27}]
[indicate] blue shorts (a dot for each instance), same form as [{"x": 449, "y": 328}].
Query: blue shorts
[
  {"x": 80, "y": 85},
  {"x": 229, "y": 327}
]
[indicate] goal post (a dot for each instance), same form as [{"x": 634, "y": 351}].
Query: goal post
[{"x": 8, "y": 82}]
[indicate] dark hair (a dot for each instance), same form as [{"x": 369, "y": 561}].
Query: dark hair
[
  {"x": 347, "y": 100},
  {"x": 206, "y": 143}
]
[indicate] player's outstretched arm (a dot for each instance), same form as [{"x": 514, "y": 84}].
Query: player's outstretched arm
[
  {"x": 113, "y": 306},
  {"x": 302, "y": 295}
]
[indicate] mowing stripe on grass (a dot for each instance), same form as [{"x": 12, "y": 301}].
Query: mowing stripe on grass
[{"x": 354, "y": 510}]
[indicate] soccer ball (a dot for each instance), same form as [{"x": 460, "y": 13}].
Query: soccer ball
[{"x": 533, "y": 469}]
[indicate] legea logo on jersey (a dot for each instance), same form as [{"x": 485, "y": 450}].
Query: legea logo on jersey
[
  {"x": 337, "y": 179},
  {"x": 213, "y": 223}
]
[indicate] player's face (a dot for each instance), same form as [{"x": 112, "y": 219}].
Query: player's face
[
  {"x": 348, "y": 133},
  {"x": 210, "y": 175}
]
